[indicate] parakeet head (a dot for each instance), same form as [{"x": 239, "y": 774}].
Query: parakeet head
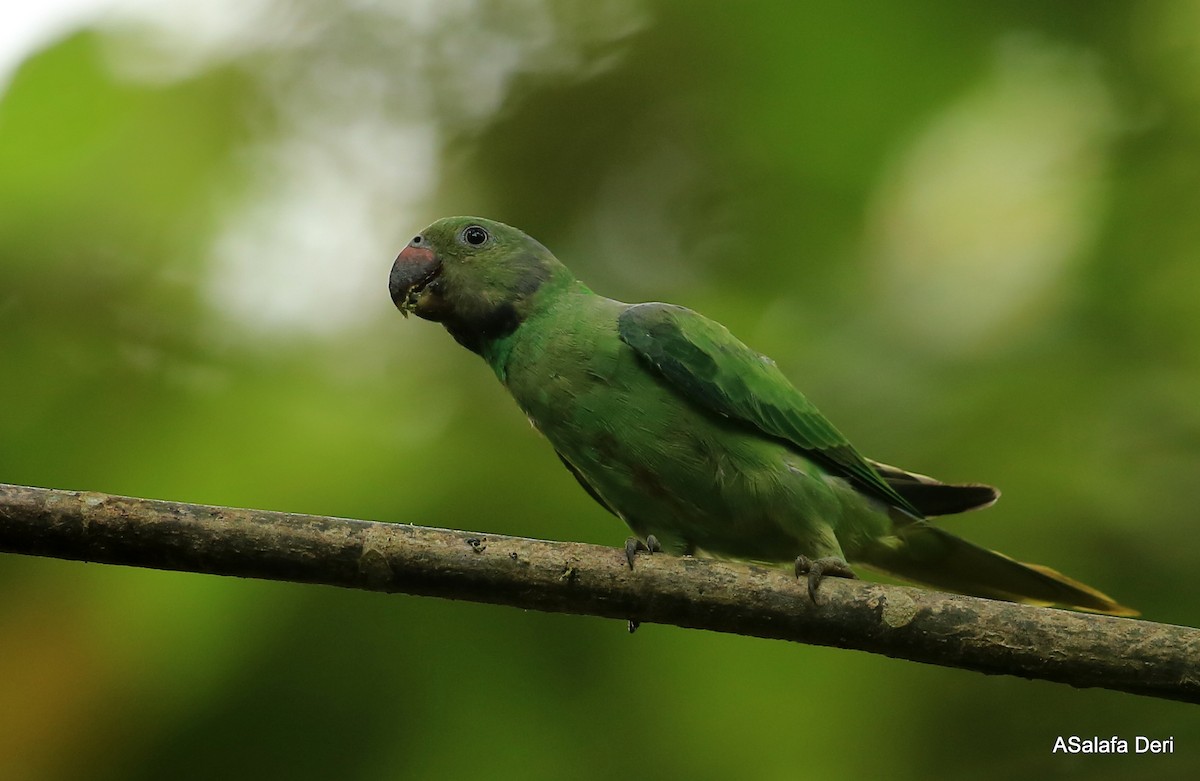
[{"x": 480, "y": 278}]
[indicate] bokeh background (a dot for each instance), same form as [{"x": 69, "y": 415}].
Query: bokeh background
[{"x": 967, "y": 230}]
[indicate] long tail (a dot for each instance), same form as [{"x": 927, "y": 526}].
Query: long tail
[{"x": 937, "y": 558}]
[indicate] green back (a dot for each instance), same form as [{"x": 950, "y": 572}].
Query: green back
[{"x": 709, "y": 366}]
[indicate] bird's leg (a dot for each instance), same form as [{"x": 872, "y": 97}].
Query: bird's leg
[
  {"x": 633, "y": 545},
  {"x": 816, "y": 569}
]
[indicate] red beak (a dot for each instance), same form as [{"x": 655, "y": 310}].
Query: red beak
[{"x": 414, "y": 269}]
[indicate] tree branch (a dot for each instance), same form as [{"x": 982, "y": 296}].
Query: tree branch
[{"x": 1140, "y": 657}]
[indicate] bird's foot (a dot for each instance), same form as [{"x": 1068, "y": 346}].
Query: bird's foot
[
  {"x": 633, "y": 545},
  {"x": 816, "y": 569}
]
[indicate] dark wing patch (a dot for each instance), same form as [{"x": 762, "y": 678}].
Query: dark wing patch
[
  {"x": 708, "y": 365},
  {"x": 933, "y": 497},
  {"x": 586, "y": 485}
]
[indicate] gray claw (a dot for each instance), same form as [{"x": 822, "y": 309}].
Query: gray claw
[
  {"x": 633, "y": 545},
  {"x": 817, "y": 569}
]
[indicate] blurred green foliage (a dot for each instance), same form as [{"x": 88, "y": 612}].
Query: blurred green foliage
[{"x": 966, "y": 231}]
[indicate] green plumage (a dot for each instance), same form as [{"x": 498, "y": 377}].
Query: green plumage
[{"x": 682, "y": 431}]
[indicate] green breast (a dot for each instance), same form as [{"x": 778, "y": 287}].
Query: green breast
[{"x": 663, "y": 464}]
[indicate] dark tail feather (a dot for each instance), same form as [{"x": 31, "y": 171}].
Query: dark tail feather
[{"x": 937, "y": 558}]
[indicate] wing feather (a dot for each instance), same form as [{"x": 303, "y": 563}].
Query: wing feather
[{"x": 708, "y": 365}]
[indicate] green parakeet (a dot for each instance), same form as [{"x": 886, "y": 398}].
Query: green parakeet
[{"x": 698, "y": 443}]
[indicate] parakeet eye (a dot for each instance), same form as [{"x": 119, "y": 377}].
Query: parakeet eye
[
  {"x": 416, "y": 242},
  {"x": 474, "y": 235}
]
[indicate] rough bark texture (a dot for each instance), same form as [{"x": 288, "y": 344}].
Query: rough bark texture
[{"x": 1140, "y": 657}]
